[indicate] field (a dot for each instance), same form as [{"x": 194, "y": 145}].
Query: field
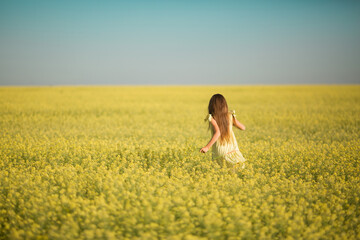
[{"x": 124, "y": 163}]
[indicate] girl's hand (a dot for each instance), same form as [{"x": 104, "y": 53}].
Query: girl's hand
[{"x": 204, "y": 149}]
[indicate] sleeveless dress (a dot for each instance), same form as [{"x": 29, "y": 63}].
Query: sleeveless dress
[{"x": 228, "y": 153}]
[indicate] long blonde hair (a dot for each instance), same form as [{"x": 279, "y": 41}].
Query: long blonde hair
[{"x": 218, "y": 108}]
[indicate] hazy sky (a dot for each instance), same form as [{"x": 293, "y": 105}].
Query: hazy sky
[{"x": 179, "y": 42}]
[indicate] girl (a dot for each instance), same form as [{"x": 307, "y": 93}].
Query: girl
[{"x": 224, "y": 146}]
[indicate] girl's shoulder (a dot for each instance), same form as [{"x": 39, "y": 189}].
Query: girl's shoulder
[
  {"x": 232, "y": 112},
  {"x": 208, "y": 117}
]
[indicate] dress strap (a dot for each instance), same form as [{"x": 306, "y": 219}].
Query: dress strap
[
  {"x": 208, "y": 117},
  {"x": 233, "y": 113}
]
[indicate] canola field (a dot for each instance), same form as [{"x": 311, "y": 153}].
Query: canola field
[{"x": 111, "y": 162}]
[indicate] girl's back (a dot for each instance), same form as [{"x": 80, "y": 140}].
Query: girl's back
[{"x": 227, "y": 152}]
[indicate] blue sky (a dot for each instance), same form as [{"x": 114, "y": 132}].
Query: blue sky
[{"x": 179, "y": 42}]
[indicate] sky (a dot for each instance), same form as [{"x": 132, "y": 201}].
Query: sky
[{"x": 189, "y": 42}]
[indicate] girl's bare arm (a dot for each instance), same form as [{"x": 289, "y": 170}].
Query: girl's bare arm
[
  {"x": 238, "y": 124},
  {"x": 214, "y": 137}
]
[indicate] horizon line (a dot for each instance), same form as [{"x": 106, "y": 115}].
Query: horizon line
[{"x": 179, "y": 85}]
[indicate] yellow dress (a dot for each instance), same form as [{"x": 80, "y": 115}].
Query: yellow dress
[{"x": 228, "y": 153}]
